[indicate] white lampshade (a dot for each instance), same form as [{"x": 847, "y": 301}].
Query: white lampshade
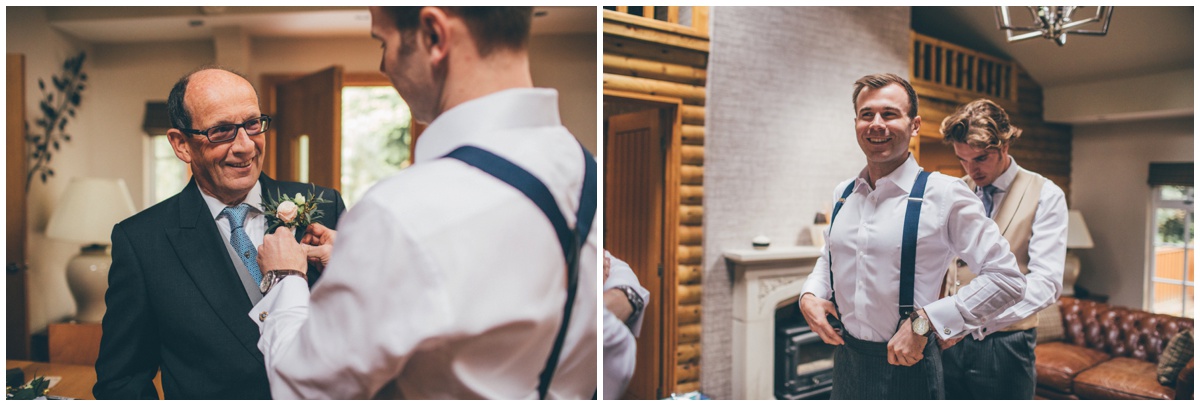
[
  {"x": 1077, "y": 231},
  {"x": 89, "y": 209}
]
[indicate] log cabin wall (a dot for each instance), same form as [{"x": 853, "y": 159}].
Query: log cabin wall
[
  {"x": 946, "y": 76},
  {"x": 662, "y": 52}
]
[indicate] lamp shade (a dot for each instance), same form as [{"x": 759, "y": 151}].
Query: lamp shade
[
  {"x": 88, "y": 210},
  {"x": 1077, "y": 231}
]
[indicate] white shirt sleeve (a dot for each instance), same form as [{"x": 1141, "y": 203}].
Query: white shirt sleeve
[
  {"x": 351, "y": 340},
  {"x": 621, "y": 274},
  {"x": 1047, "y": 255},
  {"x": 620, "y": 356},
  {"x": 977, "y": 241}
]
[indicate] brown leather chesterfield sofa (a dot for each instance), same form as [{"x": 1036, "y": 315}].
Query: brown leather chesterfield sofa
[{"x": 1110, "y": 352}]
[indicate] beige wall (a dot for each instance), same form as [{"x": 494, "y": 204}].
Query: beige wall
[
  {"x": 109, "y": 142},
  {"x": 45, "y": 50},
  {"x": 1156, "y": 96},
  {"x": 1110, "y": 165},
  {"x": 568, "y": 64}
]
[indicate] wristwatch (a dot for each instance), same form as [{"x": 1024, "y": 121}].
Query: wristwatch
[
  {"x": 635, "y": 301},
  {"x": 273, "y": 277},
  {"x": 920, "y": 324}
]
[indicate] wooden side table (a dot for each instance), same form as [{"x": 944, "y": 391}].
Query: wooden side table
[{"x": 74, "y": 343}]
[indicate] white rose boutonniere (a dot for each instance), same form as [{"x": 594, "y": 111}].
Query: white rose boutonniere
[
  {"x": 295, "y": 212},
  {"x": 286, "y": 212}
]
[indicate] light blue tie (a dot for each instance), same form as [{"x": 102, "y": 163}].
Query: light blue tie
[
  {"x": 986, "y": 195},
  {"x": 240, "y": 241}
]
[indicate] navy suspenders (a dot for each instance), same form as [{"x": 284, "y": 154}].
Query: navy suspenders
[
  {"x": 571, "y": 241},
  {"x": 908, "y": 252}
]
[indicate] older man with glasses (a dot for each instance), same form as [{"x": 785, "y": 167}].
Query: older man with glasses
[{"x": 185, "y": 271}]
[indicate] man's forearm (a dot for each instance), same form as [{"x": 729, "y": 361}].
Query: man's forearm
[{"x": 616, "y": 303}]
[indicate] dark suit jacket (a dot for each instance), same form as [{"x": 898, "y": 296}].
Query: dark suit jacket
[{"x": 175, "y": 303}]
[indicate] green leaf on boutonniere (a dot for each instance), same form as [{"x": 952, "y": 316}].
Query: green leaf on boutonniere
[{"x": 296, "y": 211}]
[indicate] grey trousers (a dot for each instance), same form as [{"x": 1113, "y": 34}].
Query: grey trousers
[
  {"x": 1001, "y": 366},
  {"x": 861, "y": 371}
]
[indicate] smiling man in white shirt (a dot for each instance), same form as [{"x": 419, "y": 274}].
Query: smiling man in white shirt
[
  {"x": 445, "y": 281},
  {"x": 892, "y": 233},
  {"x": 996, "y": 361}
]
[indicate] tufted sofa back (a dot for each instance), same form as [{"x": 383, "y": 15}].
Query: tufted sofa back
[{"x": 1119, "y": 331}]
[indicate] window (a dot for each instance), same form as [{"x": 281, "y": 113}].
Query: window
[
  {"x": 1172, "y": 287},
  {"x": 376, "y": 133},
  {"x": 167, "y": 174}
]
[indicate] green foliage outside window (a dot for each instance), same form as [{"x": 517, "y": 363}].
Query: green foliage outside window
[{"x": 376, "y": 134}]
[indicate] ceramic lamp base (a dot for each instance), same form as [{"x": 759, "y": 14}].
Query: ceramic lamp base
[
  {"x": 1070, "y": 274},
  {"x": 87, "y": 276}
]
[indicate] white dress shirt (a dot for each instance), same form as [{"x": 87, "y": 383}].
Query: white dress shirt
[
  {"x": 445, "y": 282},
  {"x": 620, "y": 337},
  {"x": 866, "y": 243},
  {"x": 1047, "y": 252}
]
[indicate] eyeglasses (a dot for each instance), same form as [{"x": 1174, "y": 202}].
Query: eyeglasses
[{"x": 227, "y": 132}]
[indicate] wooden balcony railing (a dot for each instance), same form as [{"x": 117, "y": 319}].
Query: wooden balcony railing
[
  {"x": 678, "y": 19},
  {"x": 952, "y": 72}
]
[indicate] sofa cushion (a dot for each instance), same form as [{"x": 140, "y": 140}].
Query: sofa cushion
[
  {"x": 1174, "y": 357},
  {"x": 1058, "y": 363},
  {"x": 1119, "y": 331},
  {"x": 1121, "y": 378}
]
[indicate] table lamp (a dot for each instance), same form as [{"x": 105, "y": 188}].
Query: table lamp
[
  {"x": 1078, "y": 237},
  {"x": 86, "y": 214}
]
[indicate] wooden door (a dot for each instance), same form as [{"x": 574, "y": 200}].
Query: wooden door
[
  {"x": 16, "y": 292},
  {"x": 310, "y": 107},
  {"x": 633, "y": 223}
]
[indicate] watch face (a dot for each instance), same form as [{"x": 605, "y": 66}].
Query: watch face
[{"x": 920, "y": 326}]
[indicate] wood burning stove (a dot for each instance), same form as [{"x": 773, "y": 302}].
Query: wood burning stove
[{"x": 803, "y": 363}]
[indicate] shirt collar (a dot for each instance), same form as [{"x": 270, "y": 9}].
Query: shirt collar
[
  {"x": 506, "y": 109},
  {"x": 1005, "y": 180},
  {"x": 254, "y": 199},
  {"x": 903, "y": 176}
]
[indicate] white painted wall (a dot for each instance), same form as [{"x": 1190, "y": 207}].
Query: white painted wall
[
  {"x": 108, "y": 137},
  {"x": 1157, "y": 96},
  {"x": 1109, "y": 168},
  {"x": 780, "y": 135}
]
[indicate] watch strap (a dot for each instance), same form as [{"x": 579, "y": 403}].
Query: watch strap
[
  {"x": 635, "y": 301},
  {"x": 272, "y": 277}
]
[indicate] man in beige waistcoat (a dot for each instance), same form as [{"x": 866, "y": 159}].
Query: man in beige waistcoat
[{"x": 996, "y": 360}]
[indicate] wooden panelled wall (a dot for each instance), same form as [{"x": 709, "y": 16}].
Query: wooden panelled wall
[
  {"x": 657, "y": 58},
  {"x": 1044, "y": 147}
]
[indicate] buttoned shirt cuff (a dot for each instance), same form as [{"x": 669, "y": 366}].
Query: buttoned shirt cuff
[
  {"x": 290, "y": 292},
  {"x": 944, "y": 318},
  {"x": 819, "y": 291}
]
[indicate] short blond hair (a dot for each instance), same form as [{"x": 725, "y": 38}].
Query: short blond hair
[{"x": 980, "y": 124}]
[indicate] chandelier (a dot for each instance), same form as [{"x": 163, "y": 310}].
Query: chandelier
[{"x": 1053, "y": 23}]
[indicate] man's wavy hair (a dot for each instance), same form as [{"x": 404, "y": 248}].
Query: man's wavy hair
[
  {"x": 980, "y": 124},
  {"x": 492, "y": 28}
]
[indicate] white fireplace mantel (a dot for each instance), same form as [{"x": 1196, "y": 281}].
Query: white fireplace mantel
[{"x": 763, "y": 279}]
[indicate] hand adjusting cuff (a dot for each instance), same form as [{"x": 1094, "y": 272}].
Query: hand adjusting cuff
[{"x": 272, "y": 277}]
